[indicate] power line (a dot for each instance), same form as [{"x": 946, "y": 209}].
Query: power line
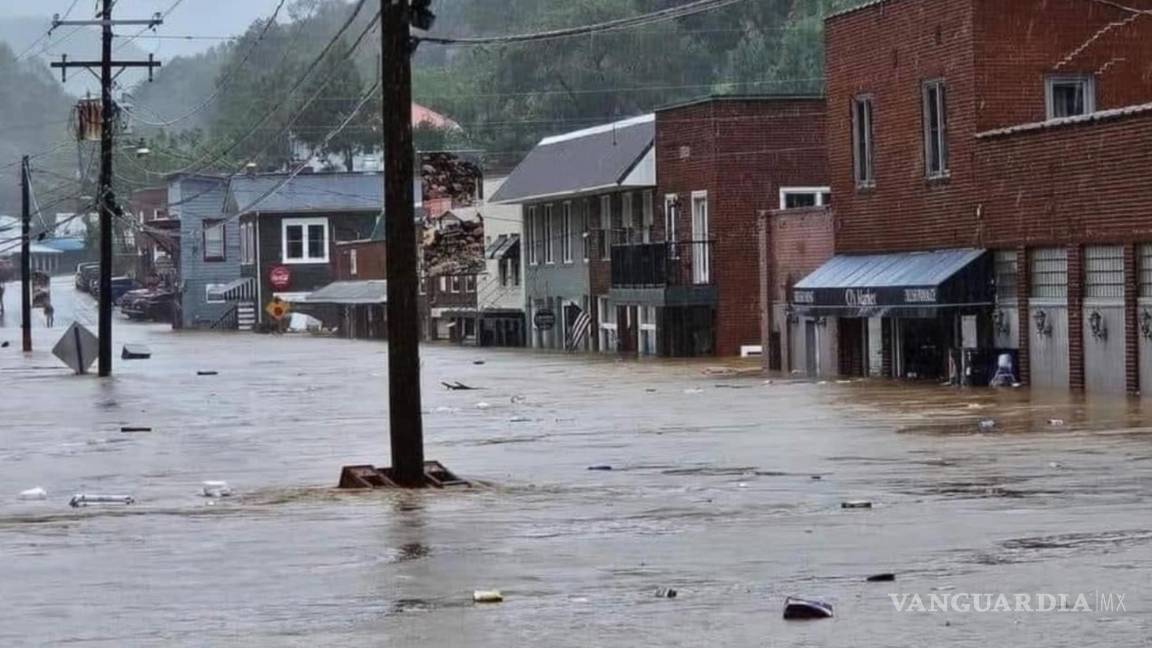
[
  {"x": 48, "y": 33},
  {"x": 209, "y": 160},
  {"x": 163, "y": 15},
  {"x": 672, "y": 13},
  {"x": 227, "y": 77}
]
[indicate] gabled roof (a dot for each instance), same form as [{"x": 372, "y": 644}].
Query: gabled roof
[
  {"x": 308, "y": 192},
  {"x": 592, "y": 159}
]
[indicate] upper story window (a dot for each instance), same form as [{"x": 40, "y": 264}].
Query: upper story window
[
  {"x": 566, "y": 232},
  {"x": 530, "y": 236},
  {"x": 214, "y": 247},
  {"x": 862, "y": 151},
  {"x": 800, "y": 197},
  {"x": 606, "y": 223},
  {"x": 935, "y": 130},
  {"x": 671, "y": 209},
  {"x": 1070, "y": 95},
  {"x": 546, "y": 235},
  {"x": 305, "y": 240}
]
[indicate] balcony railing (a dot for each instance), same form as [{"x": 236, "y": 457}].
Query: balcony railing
[{"x": 656, "y": 265}]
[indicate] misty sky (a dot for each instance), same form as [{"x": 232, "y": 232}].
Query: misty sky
[{"x": 191, "y": 17}]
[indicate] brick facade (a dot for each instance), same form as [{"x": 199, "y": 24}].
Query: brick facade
[
  {"x": 993, "y": 57},
  {"x": 740, "y": 151},
  {"x": 1015, "y": 181}
]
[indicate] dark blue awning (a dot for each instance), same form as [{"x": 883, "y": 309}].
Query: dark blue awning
[{"x": 914, "y": 280}]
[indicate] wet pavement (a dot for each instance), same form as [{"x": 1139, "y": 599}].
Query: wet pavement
[{"x": 711, "y": 492}]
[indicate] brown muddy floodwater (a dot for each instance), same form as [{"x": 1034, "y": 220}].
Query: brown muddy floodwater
[{"x": 712, "y": 493}]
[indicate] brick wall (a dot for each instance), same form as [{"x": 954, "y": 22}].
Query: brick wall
[
  {"x": 1077, "y": 182},
  {"x": 370, "y": 261},
  {"x": 740, "y": 151},
  {"x": 802, "y": 240},
  {"x": 994, "y": 57},
  {"x": 1020, "y": 43}
]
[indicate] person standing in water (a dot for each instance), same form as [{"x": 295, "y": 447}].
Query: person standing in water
[{"x": 49, "y": 313}]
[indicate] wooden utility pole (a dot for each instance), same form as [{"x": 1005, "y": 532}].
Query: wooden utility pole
[
  {"x": 25, "y": 258},
  {"x": 105, "y": 200},
  {"x": 407, "y": 426}
]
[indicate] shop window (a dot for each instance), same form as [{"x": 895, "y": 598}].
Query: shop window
[
  {"x": 1007, "y": 271},
  {"x": 1104, "y": 272},
  {"x": 1050, "y": 273}
]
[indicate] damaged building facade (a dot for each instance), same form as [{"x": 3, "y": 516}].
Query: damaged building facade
[{"x": 989, "y": 163}]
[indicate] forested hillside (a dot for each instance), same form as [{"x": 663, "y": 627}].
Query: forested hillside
[{"x": 505, "y": 96}]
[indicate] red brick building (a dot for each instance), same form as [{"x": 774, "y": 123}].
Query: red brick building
[
  {"x": 1009, "y": 138},
  {"x": 721, "y": 162}
]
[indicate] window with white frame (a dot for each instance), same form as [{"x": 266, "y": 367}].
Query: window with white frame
[
  {"x": 214, "y": 293},
  {"x": 585, "y": 214},
  {"x": 1049, "y": 273},
  {"x": 626, "y": 211},
  {"x": 1006, "y": 263},
  {"x": 935, "y": 109},
  {"x": 444, "y": 284},
  {"x": 800, "y": 197},
  {"x": 530, "y": 235},
  {"x": 606, "y": 228},
  {"x": 455, "y": 279},
  {"x": 245, "y": 245},
  {"x": 1070, "y": 95},
  {"x": 214, "y": 245},
  {"x": 352, "y": 269},
  {"x": 1104, "y": 272},
  {"x": 671, "y": 214},
  {"x": 646, "y": 217},
  {"x": 566, "y": 232},
  {"x": 546, "y": 234},
  {"x": 862, "y": 141},
  {"x": 305, "y": 240},
  {"x": 470, "y": 283}
]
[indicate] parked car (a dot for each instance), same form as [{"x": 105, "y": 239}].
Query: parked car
[
  {"x": 148, "y": 304},
  {"x": 120, "y": 286},
  {"x": 86, "y": 273}
]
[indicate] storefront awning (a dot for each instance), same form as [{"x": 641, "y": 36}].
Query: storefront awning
[
  {"x": 857, "y": 285},
  {"x": 351, "y": 293}
]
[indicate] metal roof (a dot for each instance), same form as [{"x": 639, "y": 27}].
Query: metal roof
[
  {"x": 351, "y": 292},
  {"x": 308, "y": 192},
  {"x": 502, "y": 246},
  {"x": 582, "y": 161},
  {"x": 890, "y": 270}
]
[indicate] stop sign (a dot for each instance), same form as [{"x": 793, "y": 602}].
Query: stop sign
[{"x": 280, "y": 277}]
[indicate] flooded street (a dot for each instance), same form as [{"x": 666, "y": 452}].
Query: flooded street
[{"x": 713, "y": 492}]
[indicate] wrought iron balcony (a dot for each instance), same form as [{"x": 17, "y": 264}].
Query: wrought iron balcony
[{"x": 660, "y": 265}]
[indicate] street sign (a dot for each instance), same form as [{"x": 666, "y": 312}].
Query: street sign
[
  {"x": 277, "y": 309},
  {"x": 78, "y": 348},
  {"x": 280, "y": 277},
  {"x": 544, "y": 319}
]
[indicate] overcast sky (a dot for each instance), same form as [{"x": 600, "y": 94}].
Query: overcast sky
[{"x": 191, "y": 17}]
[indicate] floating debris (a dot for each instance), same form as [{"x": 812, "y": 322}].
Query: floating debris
[
  {"x": 34, "y": 494},
  {"x": 881, "y": 578},
  {"x": 817, "y": 477},
  {"x": 477, "y": 362},
  {"x": 82, "y": 499},
  {"x": 987, "y": 425},
  {"x": 803, "y": 609},
  {"x": 1056, "y": 465},
  {"x": 127, "y": 429},
  {"x": 1055, "y": 422},
  {"x": 135, "y": 352},
  {"x": 482, "y": 405},
  {"x": 666, "y": 593},
  {"x": 207, "y": 373},
  {"x": 856, "y": 504},
  {"x": 457, "y": 386},
  {"x": 600, "y": 467},
  {"x": 693, "y": 391},
  {"x": 487, "y": 596},
  {"x": 519, "y": 419},
  {"x": 216, "y": 489}
]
